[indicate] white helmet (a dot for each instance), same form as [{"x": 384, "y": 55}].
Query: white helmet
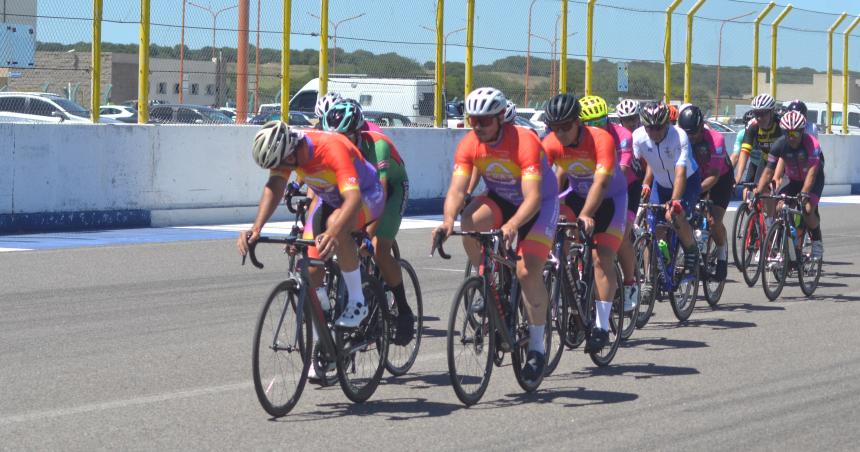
[
  {"x": 763, "y": 102},
  {"x": 510, "y": 112},
  {"x": 792, "y": 120},
  {"x": 273, "y": 143},
  {"x": 627, "y": 107},
  {"x": 326, "y": 102},
  {"x": 485, "y": 102}
]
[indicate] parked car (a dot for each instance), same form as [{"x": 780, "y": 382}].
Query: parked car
[
  {"x": 43, "y": 108},
  {"x": 186, "y": 114},
  {"x": 720, "y": 127},
  {"x": 536, "y": 117},
  {"x": 121, "y": 113},
  {"x": 296, "y": 118},
  {"x": 385, "y": 119}
]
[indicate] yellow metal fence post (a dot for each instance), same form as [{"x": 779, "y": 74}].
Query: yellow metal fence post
[
  {"x": 846, "y": 35},
  {"x": 438, "y": 113},
  {"x": 95, "y": 81},
  {"x": 589, "y": 30},
  {"x": 562, "y": 64},
  {"x": 285, "y": 63},
  {"x": 774, "y": 29},
  {"x": 143, "y": 65},
  {"x": 757, "y": 23},
  {"x": 688, "y": 57},
  {"x": 667, "y": 53},
  {"x": 470, "y": 35},
  {"x": 323, "y": 70},
  {"x": 830, "y": 32}
]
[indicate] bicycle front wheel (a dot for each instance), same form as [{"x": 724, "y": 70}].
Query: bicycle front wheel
[
  {"x": 646, "y": 271},
  {"x": 362, "y": 351},
  {"x": 470, "y": 342},
  {"x": 519, "y": 354},
  {"x": 557, "y": 318},
  {"x": 604, "y": 356},
  {"x": 683, "y": 299},
  {"x": 281, "y": 355},
  {"x": 630, "y": 317},
  {"x": 809, "y": 270},
  {"x": 737, "y": 237},
  {"x": 712, "y": 288},
  {"x": 774, "y": 262},
  {"x": 402, "y": 357},
  {"x": 751, "y": 250}
]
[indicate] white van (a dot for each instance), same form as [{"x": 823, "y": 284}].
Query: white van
[
  {"x": 412, "y": 98},
  {"x": 817, "y": 113}
]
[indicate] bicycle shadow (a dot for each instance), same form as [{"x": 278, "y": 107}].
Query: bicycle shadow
[
  {"x": 817, "y": 298},
  {"x": 399, "y": 409},
  {"x": 714, "y": 324},
  {"x": 578, "y": 396},
  {"x": 747, "y": 307},
  {"x": 662, "y": 343},
  {"x": 419, "y": 380},
  {"x": 639, "y": 371}
]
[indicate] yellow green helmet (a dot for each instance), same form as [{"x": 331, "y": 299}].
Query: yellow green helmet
[{"x": 592, "y": 107}]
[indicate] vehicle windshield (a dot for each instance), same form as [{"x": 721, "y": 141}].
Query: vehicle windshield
[
  {"x": 71, "y": 107},
  {"x": 215, "y": 115}
]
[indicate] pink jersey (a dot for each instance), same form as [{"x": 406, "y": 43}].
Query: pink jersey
[
  {"x": 711, "y": 154},
  {"x": 370, "y": 127},
  {"x": 799, "y": 161},
  {"x": 624, "y": 151}
]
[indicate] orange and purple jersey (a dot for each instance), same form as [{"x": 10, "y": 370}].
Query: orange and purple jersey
[{"x": 594, "y": 153}]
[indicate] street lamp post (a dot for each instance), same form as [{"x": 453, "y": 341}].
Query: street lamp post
[
  {"x": 444, "y": 51},
  {"x": 334, "y": 26},
  {"x": 528, "y": 55},
  {"x": 719, "y": 55},
  {"x": 214, "y": 15},
  {"x": 182, "y": 54},
  {"x": 552, "y": 58},
  {"x": 257, "y": 64}
]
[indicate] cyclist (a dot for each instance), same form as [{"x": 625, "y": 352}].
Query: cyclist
[
  {"x": 759, "y": 136},
  {"x": 628, "y": 113},
  {"x": 709, "y": 150},
  {"x": 510, "y": 117},
  {"x": 748, "y": 117},
  {"x": 348, "y": 197},
  {"x": 673, "y": 114},
  {"x": 594, "y": 113},
  {"x": 521, "y": 200},
  {"x": 346, "y": 117},
  {"x": 323, "y": 104},
  {"x": 799, "y": 154},
  {"x": 672, "y": 169},
  {"x": 799, "y": 105},
  {"x": 597, "y": 194}
]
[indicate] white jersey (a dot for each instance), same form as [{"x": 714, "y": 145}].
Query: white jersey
[{"x": 664, "y": 156}]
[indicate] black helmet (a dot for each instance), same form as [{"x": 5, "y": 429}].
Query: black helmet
[
  {"x": 798, "y": 105},
  {"x": 748, "y": 116},
  {"x": 562, "y": 108},
  {"x": 654, "y": 113},
  {"x": 691, "y": 119},
  {"x": 779, "y": 111}
]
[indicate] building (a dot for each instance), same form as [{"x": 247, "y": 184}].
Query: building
[
  {"x": 18, "y": 12},
  {"x": 811, "y": 92}
]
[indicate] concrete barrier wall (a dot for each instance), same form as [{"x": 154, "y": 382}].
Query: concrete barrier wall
[{"x": 74, "y": 176}]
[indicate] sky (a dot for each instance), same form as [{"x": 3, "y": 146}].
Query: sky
[{"x": 624, "y": 29}]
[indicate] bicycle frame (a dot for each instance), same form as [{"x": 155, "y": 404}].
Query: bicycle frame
[
  {"x": 583, "y": 293},
  {"x": 666, "y": 269}
]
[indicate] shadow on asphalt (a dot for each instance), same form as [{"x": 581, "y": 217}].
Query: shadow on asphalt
[
  {"x": 748, "y": 307},
  {"x": 419, "y": 380},
  {"x": 714, "y": 324},
  {"x": 635, "y": 370},
  {"x": 570, "y": 397},
  {"x": 819, "y": 298},
  {"x": 402, "y": 409},
  {"x": 662, "y": 343}
]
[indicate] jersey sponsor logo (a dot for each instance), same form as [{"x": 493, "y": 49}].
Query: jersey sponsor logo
[
  {"x": 624, "y": 143},
  {"x": 720, "y": 150},
  {"x": 500, "y": 174},
  {"x": 317, "y": 182},
  {"x": 578, "y": 168},
  {"x": 352, "y": 181}
]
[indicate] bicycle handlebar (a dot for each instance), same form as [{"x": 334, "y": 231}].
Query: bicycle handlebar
[{"x": 252, "y": 254}]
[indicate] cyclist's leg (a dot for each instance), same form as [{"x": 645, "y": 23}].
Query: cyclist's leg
[
  {"x": 485, "y": 212},
  {"x": 626, "y": 256},
  {"x": 721, "y": 194},
  {"x": 608, "y": 235}
]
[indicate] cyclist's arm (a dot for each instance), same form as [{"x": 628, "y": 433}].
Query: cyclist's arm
[
  {"x": 530, "y": 205},
  {"x": 348, "y": 211},
  {"x": 740, "y": 166},
  {"x": 596, "y": 194},
  {"x": 680, "y": 184},
  {"x": 454, "y": 199},
  {"x": 273, "y": 192},
  {"x": 473, "y": 181},
  {"x": 766, "y": 177},
  {"x": 560, "y": 175},
  {"x": 649, "y": 177},
  {"x": 710, "y": 179},
  {"x": 810, "y": 177},
  {"x": 779, "y": 172}
]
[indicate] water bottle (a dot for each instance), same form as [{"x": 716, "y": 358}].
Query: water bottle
[
  {"x": 792, "y": 247},
  {"x": 664, "y": 249},
  {"x": 701, "y": 240}
]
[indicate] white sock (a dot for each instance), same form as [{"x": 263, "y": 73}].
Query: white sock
[
  {"x": 353, "y": 286},
  {"x": 603, "y": 309},
  {"x": 723, "y": 252},
  {"x": 322, "y": 295},
  {"x": 536, "y": 338}
]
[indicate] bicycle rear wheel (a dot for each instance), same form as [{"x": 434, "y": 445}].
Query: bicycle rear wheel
[
  {"x": 557, "y": 318},
  {"x": 683, "y": 299},
  {"x": 604, "y": 356},
  {"x": 576, "y": 289},
  {"x": 362, "y": 351},
  {"x": 519, "y": 353},
  {"x": 281, "y": 355},
  {"x": 751, "y": 250},
  {"x": 470, "y": 342},
  {"x": 737, "y": 237},
  {"x": 774, "y": 261},
  {"x": 712, "y": 288},
  {"x": 402, "y": 357},
  {"x": 646, "y": 273},
  {"x": 630, "y": 318},
  {"x": 809, "y": 270}
]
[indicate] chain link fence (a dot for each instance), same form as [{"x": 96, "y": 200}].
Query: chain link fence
[{"x": 383, "y": 53}]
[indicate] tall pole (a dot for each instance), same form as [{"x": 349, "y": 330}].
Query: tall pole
[
  {"x": 846, "y": 35},
  {"x": 589, "y": 34},
  {"x": 667, "y": 52},
  {"x": 830, "y": 31},
  {"x": 528, "y": 55},
  {"x": 242, "y": 65},
  {"x": 95, "y": 88},
  {"x": 688, "y": 58},
  {"x": 719, "y": 56},
  {"x": 562, "y": 67},
  {"x": 143, "y": 65},
  {"x": 182, "y": 54},
  {"x": 470, "y": 35},
  {"x": 257, "y": 64},
  {"x": 214, "y": 15},
  {"x": 553, "y": 87},
  {"x": 757, "y": 23},
  {"x": 323, "y": 63},
  {"x": 438, "y": 114},
  {"x": 774, "y": 29},
  {"x": 285, "y": 63}
]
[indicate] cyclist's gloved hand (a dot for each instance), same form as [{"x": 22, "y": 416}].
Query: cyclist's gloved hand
[
  {"x": 509, "y": 233},
  {"x": 646, "y": 192},
  {"x": 587, "y": 224},
  {"x": 293, "y": 188},
  {"x": 326, "y": 245},
  {"x": 246, "y": 239}
]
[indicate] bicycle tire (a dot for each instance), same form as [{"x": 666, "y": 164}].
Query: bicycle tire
[
  {"x": 774, "y": 261},
  {"x": 274, "y": 314},
  {"x": 576, "y": 289},
  {"x": 367, "y": 344},
  {"x": 683, "y": 298},
  {"x": 630, "y": 318},
  {"x": 558, "y": 318},
  {"x": 752, "y": 246},
  {"x": 642, "y": 249},
  {"x": 809, "y": 269},
  {"x": 519, "y": 352},
  {"x": 482, "y": 341},
  {"x": 737, "y": 232},
  {"x": 713, "y": 290},
  {"x": 604, "y": 356},
  {"x": 401, "y": 358}
]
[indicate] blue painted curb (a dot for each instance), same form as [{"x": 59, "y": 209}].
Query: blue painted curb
[{"x": 73, "y": 221}]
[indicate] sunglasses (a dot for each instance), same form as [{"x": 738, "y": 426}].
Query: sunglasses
[
  {"x": 483, "y": 121},
  {"x": 655, "y": 128},
  {"x": 597, "y": 122},
  {"x": 561, "y": 126},
  {"x": 761, "y": 113},
  {"x": 794, "y": 133}
]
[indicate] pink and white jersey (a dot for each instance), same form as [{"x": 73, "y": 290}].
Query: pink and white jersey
[
  {"x": 711, "y": 154},
  {"x": 624, "y": 152}
]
